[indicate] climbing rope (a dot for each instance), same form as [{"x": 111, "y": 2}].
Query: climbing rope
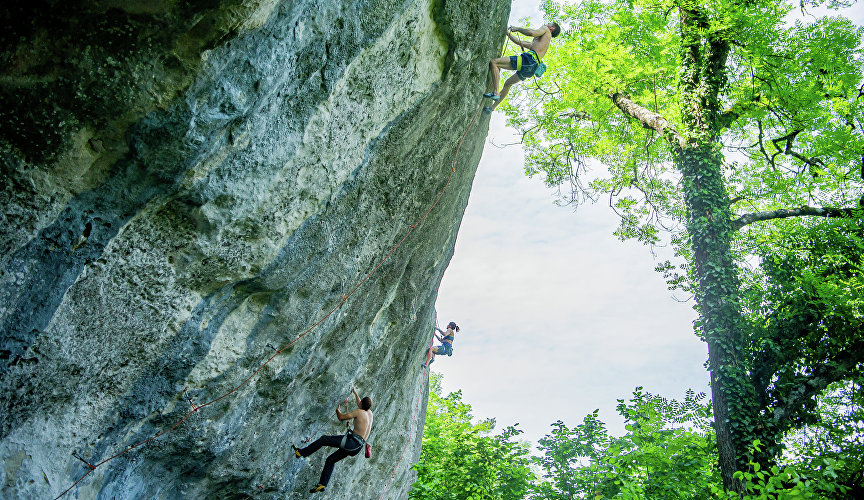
[
  {"x": 432, "y": 340},
  {"x": 344, "y": 298}
]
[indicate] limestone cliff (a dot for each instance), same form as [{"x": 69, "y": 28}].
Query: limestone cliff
[{"x": 187, "y": 186}]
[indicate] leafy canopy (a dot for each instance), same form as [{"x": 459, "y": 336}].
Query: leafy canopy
[
  {"x": 791, "y": 98},
  {"x": 462, "y": 459}
]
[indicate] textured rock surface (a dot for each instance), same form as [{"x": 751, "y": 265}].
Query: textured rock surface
[{"x": 186, "y": 183}]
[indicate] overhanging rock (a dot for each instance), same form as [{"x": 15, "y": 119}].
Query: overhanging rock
[{"x": 185, "y": 187}]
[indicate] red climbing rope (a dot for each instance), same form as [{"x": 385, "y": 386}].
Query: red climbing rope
[
  {"x": 423, "y": 379},
  {"x": 344, "y": 298}
]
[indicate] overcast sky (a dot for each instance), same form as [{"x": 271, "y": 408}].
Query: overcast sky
[{"x": 558, "y": 317}]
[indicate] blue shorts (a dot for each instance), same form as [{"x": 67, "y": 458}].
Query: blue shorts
[
  {"x": 444, "y": 348},
  {"x": 529, "y": 65}
]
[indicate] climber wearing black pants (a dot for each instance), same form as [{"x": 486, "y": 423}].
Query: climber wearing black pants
[{"x": 349, "y": 444}]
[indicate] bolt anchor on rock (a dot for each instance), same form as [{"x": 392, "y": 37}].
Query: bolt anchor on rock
[
  {"x": 189, "y": 399},
  {"x": 92, "y": 467}
]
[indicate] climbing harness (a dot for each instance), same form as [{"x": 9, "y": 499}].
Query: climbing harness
[
  {"x": 344, "y": 298},
  {"x": 541, "y": 67},
  {"x": 350, "y": 434}
]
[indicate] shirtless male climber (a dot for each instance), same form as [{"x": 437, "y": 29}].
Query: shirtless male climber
[
  {"x": 348, "y": 444},
  {"x": 525, "y": 68}
]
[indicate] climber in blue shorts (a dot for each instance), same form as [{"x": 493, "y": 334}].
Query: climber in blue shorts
[
  {"x": 525, "y": 64},
  {"x": 446, "y": 347}
]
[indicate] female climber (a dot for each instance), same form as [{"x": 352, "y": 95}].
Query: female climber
[{"x": 446, "y": 346}]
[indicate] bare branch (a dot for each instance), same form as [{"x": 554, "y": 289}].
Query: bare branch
[
  {"x": 784, "y": 213},
  {"x": 838, "y": 367},
  {"x": 648, "y": 119},
  {"x": 769, "y": 159},
  {"x": 789, "y": 138}
]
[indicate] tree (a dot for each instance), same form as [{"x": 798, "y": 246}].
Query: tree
[
  {"x": 667, "y": 452},
  {"x": 831, "y": 450},
  {"x": 565, "y": 454},
  {"x": 717, "y": 120},
  {"x": 461, "y": 460},
  {"x": 806, "y": 309}
]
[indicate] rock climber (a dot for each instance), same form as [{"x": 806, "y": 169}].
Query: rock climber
[
  {"x": 348, "y": 444},
  {"x": 525, "y": 64},
  {"x": 446, "y": 346}
]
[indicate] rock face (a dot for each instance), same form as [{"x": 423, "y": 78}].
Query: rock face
[{"x": 185, "y": 185}]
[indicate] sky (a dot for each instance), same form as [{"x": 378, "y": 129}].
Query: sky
[{"x": 557, "y": 316}]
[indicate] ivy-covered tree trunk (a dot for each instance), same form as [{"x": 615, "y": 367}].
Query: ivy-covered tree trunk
[
  {"x": 709, "y": 224},
  {"x": 704, "y": 57},
  {"x": 696, "y": 155}
]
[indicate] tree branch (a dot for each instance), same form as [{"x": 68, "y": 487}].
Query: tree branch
[
  {"x": 793, "y": 212},
  {"x": 769, "y": 159},
  {"x": 714, "y": 76},
  {"x": 841, "y": 366},
  {"x": 648, "y": 119},
  {"x": 789, "y": 138}
]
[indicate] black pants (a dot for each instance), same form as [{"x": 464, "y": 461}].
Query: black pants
[{"x": 333, "y": 442}]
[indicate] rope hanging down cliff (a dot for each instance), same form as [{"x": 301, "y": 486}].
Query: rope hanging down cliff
[{"x": 344, "y": 298}]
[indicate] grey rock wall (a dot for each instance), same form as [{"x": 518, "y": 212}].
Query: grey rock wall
[{"x": 184, "y": 183}]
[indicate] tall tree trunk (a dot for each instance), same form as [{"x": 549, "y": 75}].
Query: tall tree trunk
[
  {"x": 709, "y": 224},
  {"x": 704, "y": 53},
  {"x": 696, "y": 152}
]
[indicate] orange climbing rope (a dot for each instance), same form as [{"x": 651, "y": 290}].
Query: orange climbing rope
[
  {"x": 432, "y": 341},
  {"x": 344, "y": 298}
]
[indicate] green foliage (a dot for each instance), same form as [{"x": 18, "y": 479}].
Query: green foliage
[
  {"x": 686, "y": 115},
  {"x": 788, "y": 119},
  {"x": 831, "y": 449},
  {"x": 805, "y": 306},
  {"x": 667, "y": 452},
  {"x": 460, "y": 459},
  {"x": 788, "y": 482}
]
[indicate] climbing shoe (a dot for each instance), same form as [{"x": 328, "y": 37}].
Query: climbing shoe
[
  {"x": 487, "y": 110},
  {"x": 492, "y": 95},
  {"x": 317, "y": 488},
  {"x": 296, "y": 451}
]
